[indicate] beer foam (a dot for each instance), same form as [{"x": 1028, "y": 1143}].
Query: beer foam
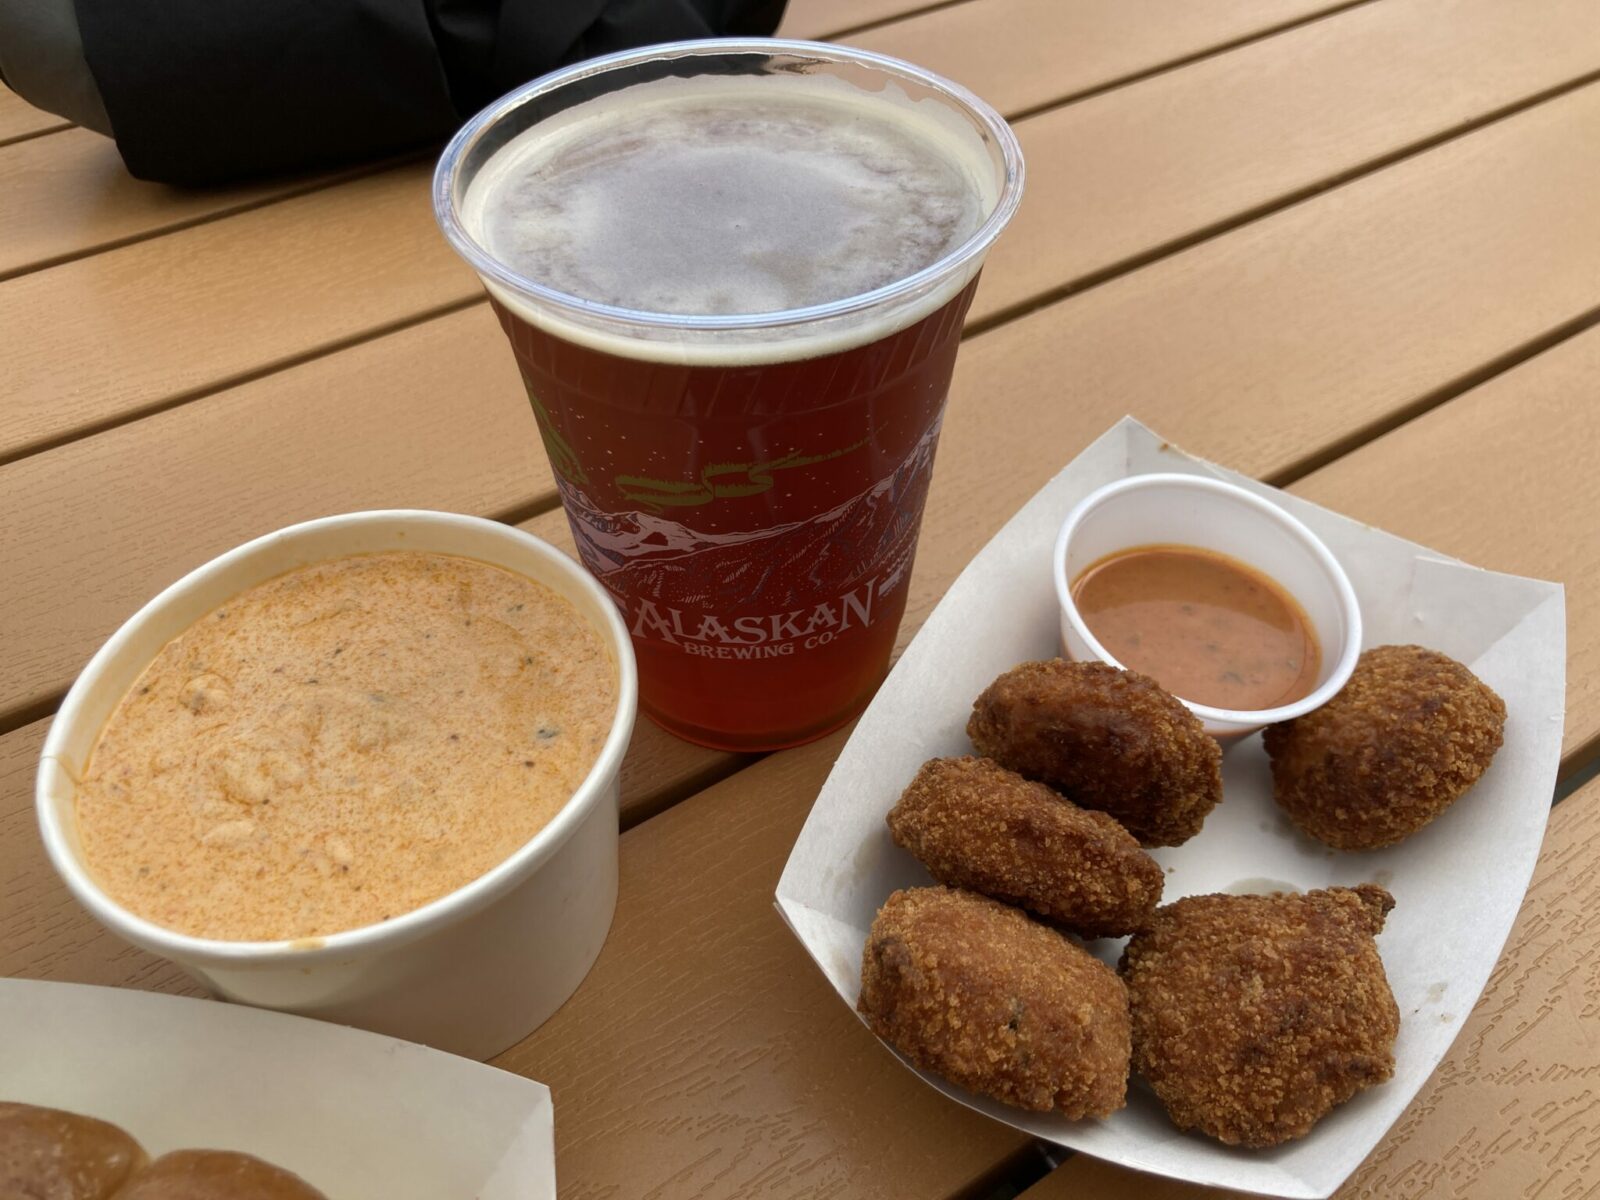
[{"x": 722, "y": 195}]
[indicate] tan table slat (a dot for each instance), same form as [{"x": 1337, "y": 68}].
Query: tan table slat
[
  {"x": 1116, "y": 177},
  {"x": 1021, "y": 54},
  {"x": 69, "y": 194},
  {"x": 1511, "y": 1112},
  {"x": 109, "y": 335},
  {"x": 1413, "y": 284},
  {"x": 816, "y": 19},
  {"x": 20, "y": 119},
  {"x": 1503, "y": 476},
  {"x": 1333, "y": 314},
  {"x": 100, "y": 339},
  {"x": 433, "y": 417}
]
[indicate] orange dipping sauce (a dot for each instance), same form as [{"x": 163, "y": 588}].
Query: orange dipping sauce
[{"x": 1204, "y": 626}]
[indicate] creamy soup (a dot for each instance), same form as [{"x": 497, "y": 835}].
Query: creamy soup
[{"x": 343, "y": 744}]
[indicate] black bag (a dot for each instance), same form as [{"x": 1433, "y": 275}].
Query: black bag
[{"x": 208, "y": 91}]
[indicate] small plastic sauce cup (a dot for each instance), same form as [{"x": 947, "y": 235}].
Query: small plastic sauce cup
[{"x": 1208, "y": 514}]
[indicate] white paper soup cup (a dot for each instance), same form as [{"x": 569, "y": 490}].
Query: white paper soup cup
[
  {"x": 472, "y": 972},
  {"x": 1208, "y": 514}
]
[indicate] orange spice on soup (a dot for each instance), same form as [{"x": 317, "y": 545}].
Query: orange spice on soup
[{"x": 1206, "y": 627}]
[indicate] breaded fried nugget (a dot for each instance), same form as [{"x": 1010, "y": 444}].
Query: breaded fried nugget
[
  {"x": 976, "y": 825},
  {"x": 1253, "y": 1016},
  {"x": 1106, "y": 739},
  {"x": 1399, "y": 744},
  {"x": 974, "y": 990}
]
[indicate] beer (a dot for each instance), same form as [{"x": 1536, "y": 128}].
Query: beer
[
  {"x": 720, "y": 196},
  {"x": 732, "y": 298}
]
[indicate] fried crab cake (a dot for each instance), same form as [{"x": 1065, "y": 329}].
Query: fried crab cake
[
  {"x": 976, "y": 825},
  {"x": 975, "y": 991},
  {"x": 1106, "y": 739},
  {"x": 1399, "y": 744},
  {"x": 1253, "y": 1016}
]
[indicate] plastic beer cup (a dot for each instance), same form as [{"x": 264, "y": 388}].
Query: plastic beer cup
[{"x": 747, "y": 486}]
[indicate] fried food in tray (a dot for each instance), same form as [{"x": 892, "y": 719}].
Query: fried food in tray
[
  {"x": 976, "y": 991},
  {"x": 1106, "y": 739},
  {"x": 48, "y": 1154},
  {"x": 1402, "y": 741},
  {"x": 216, "y": 1175},
  {"x": 1254, "y": 1016},
  {"x": 976, "y": 825},
  {"x": 57, "y": 1155}
]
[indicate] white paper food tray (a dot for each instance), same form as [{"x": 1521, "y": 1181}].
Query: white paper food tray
[
  {"x": 1457, "y": 884},
  {"x": 358, "y": 1115}
]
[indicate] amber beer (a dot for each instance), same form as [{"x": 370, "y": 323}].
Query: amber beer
[{"x": 734, "y": 276}]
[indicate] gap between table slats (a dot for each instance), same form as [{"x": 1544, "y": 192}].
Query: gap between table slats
[
  {"x": 67, "y": 197},
  {"x": 20, "y": 120}
]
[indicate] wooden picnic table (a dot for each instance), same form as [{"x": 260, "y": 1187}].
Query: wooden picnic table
[{"x": 1351, "y": 248}]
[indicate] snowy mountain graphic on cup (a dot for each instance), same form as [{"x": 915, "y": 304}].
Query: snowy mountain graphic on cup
[{"x": 646, "y": 558}]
